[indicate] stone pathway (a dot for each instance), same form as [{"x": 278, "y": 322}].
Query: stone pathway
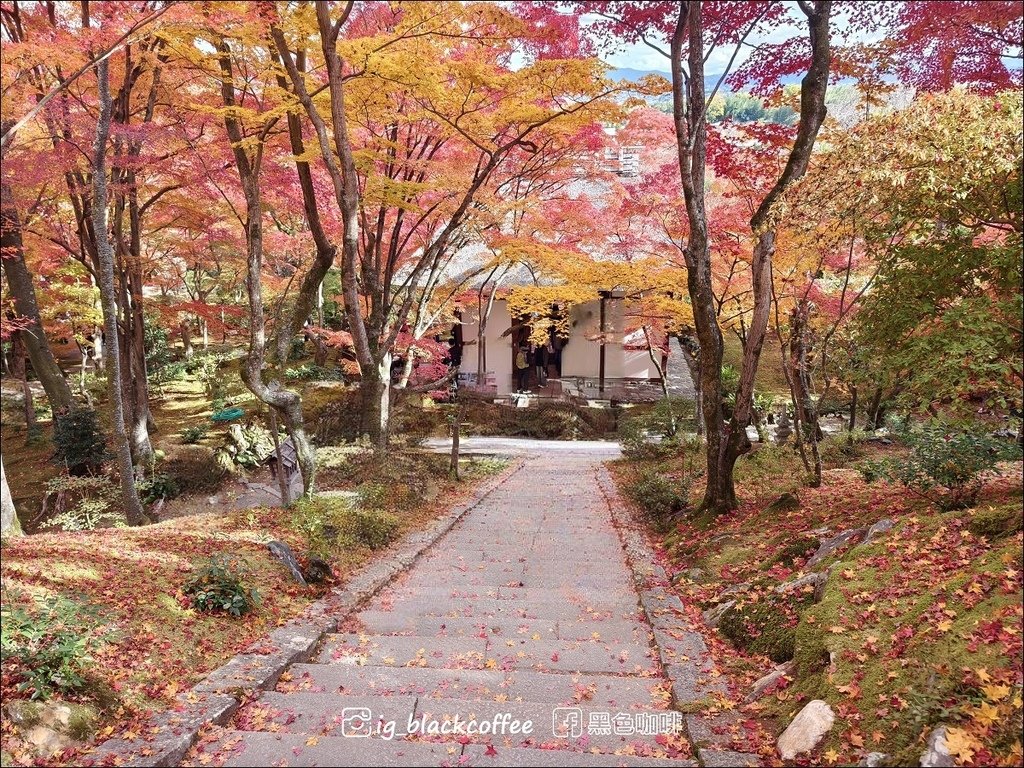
[{"x": 522, "y": 626}]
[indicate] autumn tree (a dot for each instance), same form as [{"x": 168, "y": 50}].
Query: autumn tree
[{"x": 430, "y": 137}]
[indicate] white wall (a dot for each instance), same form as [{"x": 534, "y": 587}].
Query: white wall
[{"x": 499, "y": 350}]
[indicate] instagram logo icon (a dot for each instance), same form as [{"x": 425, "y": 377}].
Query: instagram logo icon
[{"x": 356, "y": 722}]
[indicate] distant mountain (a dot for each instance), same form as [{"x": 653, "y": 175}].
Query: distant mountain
[{"x": 634, "y": 75}]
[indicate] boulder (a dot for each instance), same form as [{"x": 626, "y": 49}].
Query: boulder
[
  {"x": 834, "y": 544},
  {"x": 712, "y": 616},
  {"x": 882, "y": 526},
  {"x": 806, "y": 581},
  {"x": 787, "y": 502},
  {"x": 872, "y": 760},
  {"x": 283, "y": 552},
  {"x": 763, "y": 685},
  {"x": 937, "y": 754},
  {"x": 807, "y": 730}
]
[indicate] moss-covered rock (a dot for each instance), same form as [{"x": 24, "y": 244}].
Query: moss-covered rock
[
  {"x": 996, "y": 522},
  {"x": 799, "y": 547},
  {"x": 766, "y": 626}
]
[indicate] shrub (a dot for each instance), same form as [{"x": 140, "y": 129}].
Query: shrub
[
  {"x": 659, "y": 496},
  {"x": 192, "y": 435},
  {"x": 80, "y": 443},
  {"x": 310, "y": 372},
  {"x": 219, "y": 586},
  {"x": 194, "y": 470},
  {"x": 50, "y": 643},
  {"x": 372, "y": 527},
  {"x": 796, "y": 549},
  {"x": 319, "y": 521},
  {"x": 657, "y": 433},
  {"x": 159, "y": 485},
  {"x": 82, "y": 503},
  {"x": 373, "y": 495},
  {"x": 945, "y": 465}
]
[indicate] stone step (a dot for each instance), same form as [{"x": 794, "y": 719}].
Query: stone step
[
  {"x": 606, "y": 657},
  {"x": 521, "y": 724},
  {"x": 476, "y": 756},
  {"x": 552, "y": 726},
  {"x": 405, "y": 651},
  {"x": 625, "y": 692},
  {"x": 390, "y": 622},
  {"x": 240, "y": 749},
  {"x": 512, "y": 610}
]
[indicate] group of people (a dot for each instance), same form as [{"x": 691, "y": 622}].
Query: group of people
[{"x": 536, "y": 356}]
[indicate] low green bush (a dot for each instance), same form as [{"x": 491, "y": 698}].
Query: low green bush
[
  {"x": 945, "y": 465},
  {"x": 194, "y": 434},
  {"x": 159, "y": 485},
  {"x": 319, "y": 521},
  {"x": 219, "y": 586},
  {"x": 82, "y": 503},
  {"x": 372, "y": 528},
  {"x": 49, "y": 644},
  {"x": 658, "y": 495}
]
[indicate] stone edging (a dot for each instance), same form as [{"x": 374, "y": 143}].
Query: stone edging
[
  {"x": 215, "y": 699},
  {"x": 684, "y": 654}
]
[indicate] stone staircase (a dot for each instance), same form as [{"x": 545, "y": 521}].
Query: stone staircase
[{"x": 522, "y": 627}]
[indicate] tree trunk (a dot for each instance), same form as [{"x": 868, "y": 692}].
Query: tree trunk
[
  {"x": 874, "y": 417},
  {"x": 691, "y": 143},
  {"x": 105, "y": 264},
  {"x": 287, "y": 403},
  {"x": 727, "y": 442},
  {"x": 375, "y": 391},
  {"x": 19, "y": 281},
  {"x": 19, "y": 369},
  {"x": 456, "y": 429},
  {"x": 852, "y": 425},
  {"x": 186, "y": 338},
  {"x": 10, "y": 525}
]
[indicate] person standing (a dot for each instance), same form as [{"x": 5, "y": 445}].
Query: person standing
[
  {"x": 522, "y": 370},
  {"x": 540, "y": 361}
]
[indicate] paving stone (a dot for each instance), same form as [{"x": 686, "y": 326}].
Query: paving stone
[
  {"x": 404, "y": 651},
  {"x": 692, "y": 682},
  {"x": 475, "y": 756},
  {"x": 389, "y": 622},
  {"x": 727, "y": 759},
  {"x": 262, "y": 749},
  {"x": 624, "y": 692}
]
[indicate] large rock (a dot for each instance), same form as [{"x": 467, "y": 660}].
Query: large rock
[
  {"x": 807, "y": 730},
  {"x": 882, "y": 526},
  {"x": 283, "y": 552},
  {"x": 712, "y": 616},
  {"x": 808, "y": 581},
  {"x": 872, "y": 760},
  {"x": 937, "y": 754},
  {"x": 768, "y": 681},
  {"x": 834, "y": 544}
]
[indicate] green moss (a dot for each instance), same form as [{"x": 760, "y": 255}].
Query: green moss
[
  {"x": 762, "y": 627},
  {"x": 996, "y": 522},
  {"x": 795, "y": 549},
  {"x": 82, "y": 722}
]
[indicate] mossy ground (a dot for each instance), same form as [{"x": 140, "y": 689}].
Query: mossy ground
[{"x": 920, "y": 627}]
